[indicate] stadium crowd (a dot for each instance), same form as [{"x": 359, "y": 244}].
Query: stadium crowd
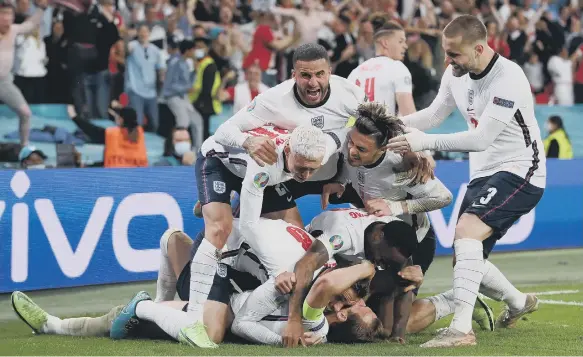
[{"x": 236, "y": 49}]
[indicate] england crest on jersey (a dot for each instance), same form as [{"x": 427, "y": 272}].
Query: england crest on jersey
[{"x": 318, "y": 121}]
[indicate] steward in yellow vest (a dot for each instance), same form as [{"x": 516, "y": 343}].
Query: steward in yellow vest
[
  {"x": 557, "y": 144},
  {"x": 207, "y": 83}
]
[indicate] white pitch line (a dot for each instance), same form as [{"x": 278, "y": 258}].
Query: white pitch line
[
  {"x": 561, "y": 302},
  {"x": 557, "y": 292},
  {"x": 555, "y": 302}
]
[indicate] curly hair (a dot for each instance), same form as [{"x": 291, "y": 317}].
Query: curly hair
[{"x": 372, "y": 119}]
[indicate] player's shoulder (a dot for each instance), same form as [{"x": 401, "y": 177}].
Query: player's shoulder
[
  {"x": 343, "y": 85},
  {"x": 274, "y": 95}
]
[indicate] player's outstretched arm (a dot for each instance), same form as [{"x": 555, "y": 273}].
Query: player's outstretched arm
[
  {"x": 427, "y": 197},
  {"x": 438, "y": 110},
  {"x": 233, "y": 131},
  {"x": 304, "y": 270}
]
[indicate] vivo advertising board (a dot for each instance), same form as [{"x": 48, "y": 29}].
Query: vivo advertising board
[{"x": 63, "y": 228}]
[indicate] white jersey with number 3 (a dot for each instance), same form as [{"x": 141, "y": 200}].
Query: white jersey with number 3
[{"x": 382, "y": 78}]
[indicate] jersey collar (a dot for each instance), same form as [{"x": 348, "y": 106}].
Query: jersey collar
[
  {"x": 377, "y": 163},
  {"x": 487, "y": 70},
  {"x": 296, "y": 94}
]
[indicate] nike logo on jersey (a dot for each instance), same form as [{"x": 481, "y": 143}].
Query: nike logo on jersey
[{"x": 475, "y": 205}]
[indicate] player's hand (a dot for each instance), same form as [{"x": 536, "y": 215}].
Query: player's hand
[
  {"x": 293, "y": 333},
  {"x": 378, "y": 207},
  {"x": 188, "y": 158},
  {"x": 285, "y": 282},
  {"x": 420, "y": 166},
  {"x": 411, "y": 141},
  {"x": 311, "y": 338},
  {"x": 329, "y": 189},
  {"x": 261, "y": 149},
  {"x": 396, "y": 339},
  {"x": 413, "y": 274}
]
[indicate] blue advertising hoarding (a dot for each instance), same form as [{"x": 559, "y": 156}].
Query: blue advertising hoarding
[{"x": 63, "y": 228}]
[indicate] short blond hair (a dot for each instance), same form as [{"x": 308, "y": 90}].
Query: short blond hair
[{"x": 469, "y": 27}]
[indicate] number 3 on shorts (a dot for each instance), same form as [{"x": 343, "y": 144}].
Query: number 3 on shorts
[{"x": 491, "y": 192}]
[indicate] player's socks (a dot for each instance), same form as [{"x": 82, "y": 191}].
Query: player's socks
[
  {"x": 81, "y": 326},
  {"x": 497, "y": 287},
  {"x": 168, "y": 319},
  {"x": 202, "y": 274},
  {"x": 467, "y": 276},
  {"x": 444, "y": 304},
  {"x": 166, "y": 284}
]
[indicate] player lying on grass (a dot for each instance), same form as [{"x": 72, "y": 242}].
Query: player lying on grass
[{"x": 167, "y": 314}]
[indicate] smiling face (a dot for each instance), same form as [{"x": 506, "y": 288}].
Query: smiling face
[
  {"x": 312, "y": 80},
  {"x": 459, "y": 55}
]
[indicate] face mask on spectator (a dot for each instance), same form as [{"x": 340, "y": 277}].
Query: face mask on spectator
[
  {"x": 199, "y": 53},
  {"x": 182, "y": 147},
  {"x": 37, "y": 167}
]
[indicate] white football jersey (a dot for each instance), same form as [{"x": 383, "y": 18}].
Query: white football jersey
[
  {"x": 281, "y": 107},
  {"x": 278, "y": 245},
  {"x": 381, "y": 78},
  {"x": 343, "y": 229},
  {"x": 502, "y": 92},
  {"x": 276, "y": 320}
]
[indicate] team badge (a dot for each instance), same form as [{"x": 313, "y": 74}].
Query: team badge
[
  {"x": 318, "y": 121},
  {"x": 219, "y": 187},
  {"x": 251, "y": 105},
  {"x": 261, "y": 179},
  {"x": 222, "y": 270},
  {"x": 336, "y": 242},
  {"x": 470, "y": 96},
  {"x": 504, "y": 102}
]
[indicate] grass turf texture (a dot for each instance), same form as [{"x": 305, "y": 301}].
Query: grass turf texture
[{"x": 556, "y": 329}]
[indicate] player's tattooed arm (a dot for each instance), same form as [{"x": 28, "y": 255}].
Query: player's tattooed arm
[{"x": 304, "y": 270}]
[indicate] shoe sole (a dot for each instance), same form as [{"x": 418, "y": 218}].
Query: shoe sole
[
  {"x": 20, "y": 316},
  {"x": 190, "y": 342},
  {"x": 489, "y": 312}
]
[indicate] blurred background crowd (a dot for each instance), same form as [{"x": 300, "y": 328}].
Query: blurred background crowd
[{"x": 159, "y": 56}]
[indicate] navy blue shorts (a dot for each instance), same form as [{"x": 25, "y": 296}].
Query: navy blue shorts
[
  {"x": 499, "y": 201},
  {"x": 215, "y": 183}
]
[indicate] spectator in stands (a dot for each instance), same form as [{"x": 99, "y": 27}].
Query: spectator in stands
[
  {"x": 156, "y": 26},
  {"x": 98, "y": 77},
  {"x": 365, "y": 41},
  {"x": 57, "y": 72},
  {"x": 125, "y": 143},
  {"x": 557, "y": 143},
  {"x": 81, "y": 32},
  {"x": 9, "y": 93},
  {"x": 177, "y": 149},
  {"x": 516, "y": 40},
  {"x": 495, "y": 39},
  {"x": 219, "y": 50},
  {"x": 264, "y": 45},
  {"x": 144, "y": 68},
  {"x": 244, "y": 92},
  {"x": 344, "y": 57},
  {"x": 32, "y": 158},
  {"x": 206, "y": 85},
  {"x": 533, "y": 69},
  {"x": 561, "y": 68},
  {"x": 178, "y": 83},
  {"x": 31, "y": 56}
]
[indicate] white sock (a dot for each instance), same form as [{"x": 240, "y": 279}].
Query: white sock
[
  {"x": 467, "y": 276},
  {"x": 444, "y": 304},
  {"x": 166, "y": 284},
  {"x": 497, "y": 287},
  {"x": 202, "y": 273},
  {"x": 168, "y": 319},
  {"x": 78, "y": 326}
]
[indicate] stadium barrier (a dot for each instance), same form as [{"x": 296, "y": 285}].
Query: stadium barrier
[{"x": 65, "y": 228}]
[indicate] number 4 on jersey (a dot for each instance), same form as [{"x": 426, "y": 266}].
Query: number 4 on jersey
[{"x": 368, "y": 88}]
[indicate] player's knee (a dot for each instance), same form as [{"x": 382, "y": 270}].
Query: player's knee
[
  {"x": 217, "y": 232},
  {"x": 167, "y": 238},
  {"x": 24, "y": 112},
  {"x": 470, "y": 226}
]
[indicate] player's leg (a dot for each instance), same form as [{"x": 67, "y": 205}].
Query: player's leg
[
  {"x": 501, "y": 200},
  {"x": 42, "y": 322},
  {"x": 174, "y": 253},
  {"x": 13, "y": 98},
  {"x": 215, "y": 184}
]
